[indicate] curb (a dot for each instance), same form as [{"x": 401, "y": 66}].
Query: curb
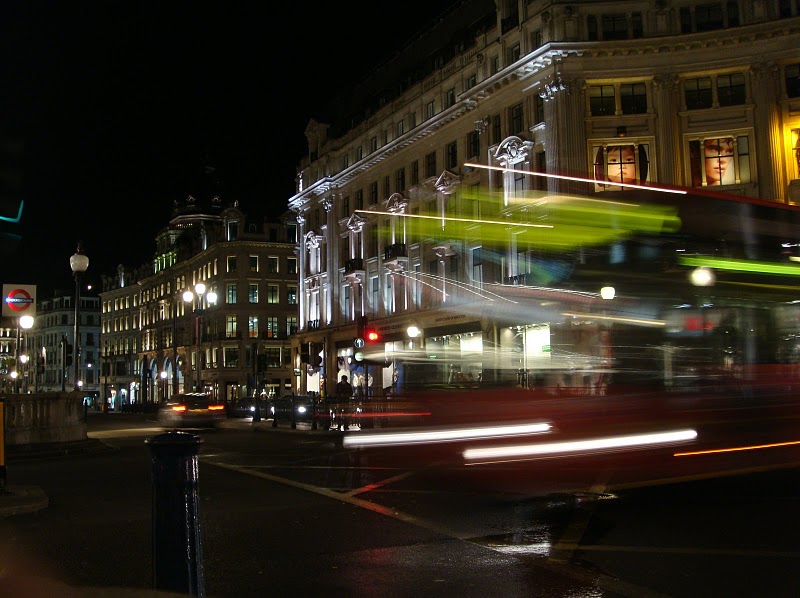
[{"x": 17, "y": 500}]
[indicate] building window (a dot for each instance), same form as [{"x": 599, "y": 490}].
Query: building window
[
  {"x": 791, "y": 78},
  {"x": 291, "y": 295},
  {"x": 230, "y": 294},
  {"x": 252, "y": 293},
  {"x": 231, "y": 263},
  {"x": 253, "y": 261},
  {"x": 233, "y": 230},
  {"x": 430, "y": 110},
  {"x": 430, "y": 165},
  {"x": 731, "y": 89},
  {"x": 536, "y": 39},
  {"x": 538, "y": 109},
  {"x": 345, "y": 161},
  {"x": 401, "y": 128},
  {"x": 721, "y": 160},
  {"x": 373, "y": 193},
  {"x": 272, "y": 293},
  {"x": 373, "y": 144},
  {"x": 796, "y": 152},
  {"x": 230, "y": 327},
  {"x": 387, "y": 186},
  {"x": 291, "y": 265},
  {"x": 698, "y": 93},
  {"x": 633, "y": 98},
  {"x": 231, "y": 357},
  {"x": 359, "y": 153},
  {"x": 374, "y": 295},
  {"x": 513, "y": 54},
  {"x": 400, "y": 180},
  {"x": 450, "y": 98},
  {"x": 451, "y": 151},
  {"x": 473, "y": 144},
  {"x": 291, "y": 325},
  {"x": 497, "y": 131},
  {"x": 591, "y": 28},
  {"x": 272, "y": 264},
  {"x": 415, "y": 172},
  {"x": 272, "y": 327},
  {"x": 615, "y": 27},
  {"x": 360, "y": 199},
  {"x": 516, "y": 120},
  {"x": 601, "y": 100},
  {"x": 623, "y": 163},
  {"x": 470, "y": 81},
  {"x": 709, "y": 17},
  {"x": 252, "y": 326}
]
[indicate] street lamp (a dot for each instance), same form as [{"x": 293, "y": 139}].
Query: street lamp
[
  {"x": 203, "y": 299},
  {"x": 79, "y": 264},
  {"x": 26, "y": 323},
  {"x": 163, "y": 375}
]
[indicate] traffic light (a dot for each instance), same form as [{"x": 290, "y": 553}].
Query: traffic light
[
  {"x": 371, "y": 335},
  {"x": 315, "y": 354},
  {"x": 68, "y": 355}
]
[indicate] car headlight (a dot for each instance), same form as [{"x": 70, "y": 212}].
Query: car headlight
[
  {"x": 272, "y": 410},
  {"x": 301, "y": 409},
  {"x": 252, "y": 407}
]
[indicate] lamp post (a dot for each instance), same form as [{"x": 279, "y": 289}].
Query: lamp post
[
  {"x": 27, "y": 323},
  {"x": 203, "y": 299},
  {"x": 163, "y": 376},
  {"x": 78, "y": 263}
]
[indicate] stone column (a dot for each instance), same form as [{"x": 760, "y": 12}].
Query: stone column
[
  {"x": 770, "y": 169},
  {"x": 668, "y": 132},
  {"x": 565, "y": 142}
]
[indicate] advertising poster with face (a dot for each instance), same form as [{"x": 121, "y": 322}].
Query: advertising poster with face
[
  {"x": 628, "y": 163},
  {"x": 712, "y": 162}
]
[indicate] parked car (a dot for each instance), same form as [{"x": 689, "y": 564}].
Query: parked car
[{"x": 191, "y": 410}]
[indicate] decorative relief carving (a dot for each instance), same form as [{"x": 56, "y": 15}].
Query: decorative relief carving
[
  {"x": 447, "y": 183},
  {"x": 396, "y": 203},
  {"x": 666, "y": 81},
  {"x": 327, "y": 204},
  {"x": 512, "y": 150}
]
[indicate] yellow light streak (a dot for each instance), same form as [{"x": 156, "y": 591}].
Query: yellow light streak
[{"x": 732, "y": 449}]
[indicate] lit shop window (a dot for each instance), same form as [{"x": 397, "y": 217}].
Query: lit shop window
[
  {"x": 796, "y": 152},
  {"x": 621, "y": 163},
  {"x": 718, "y": 161}
]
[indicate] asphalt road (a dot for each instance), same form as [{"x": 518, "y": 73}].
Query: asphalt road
[{"x": 291, "y": 512}]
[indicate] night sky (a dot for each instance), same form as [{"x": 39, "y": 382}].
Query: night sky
[{"x": 121, "y": 105}]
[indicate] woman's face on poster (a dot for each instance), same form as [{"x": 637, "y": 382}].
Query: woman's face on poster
[
  {"x": 718, "y": 155},
  {"x": 621, "y": 164}
]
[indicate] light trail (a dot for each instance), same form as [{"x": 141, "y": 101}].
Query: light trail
[
  {"x": 575, "y": 178},
  {"x": 579, "y": 446},
  {"x": 445, "y": 435},
  {"x": 752, "y": 447}
]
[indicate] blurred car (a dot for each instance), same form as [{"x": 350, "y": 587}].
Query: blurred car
[
  {"x": 191, "y": 410},
  {"x": 281, "y": 408},
  {"x": 246, "y": 407}
]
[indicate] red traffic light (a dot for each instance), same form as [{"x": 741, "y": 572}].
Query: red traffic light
[{"x": 372, "y": 336}]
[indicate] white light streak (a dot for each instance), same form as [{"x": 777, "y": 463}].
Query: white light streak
[
  {"x": 579, "y": 446},
  {"x": 575, "y": 178},
  {"x": 445, "y": 435}
]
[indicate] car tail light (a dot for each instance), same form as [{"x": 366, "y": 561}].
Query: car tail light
[
  {"x": 179, "y": 408},
  {"x": 216, "y": 407}
]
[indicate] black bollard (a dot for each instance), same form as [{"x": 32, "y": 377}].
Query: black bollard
[{"x": 177, "y": 541}]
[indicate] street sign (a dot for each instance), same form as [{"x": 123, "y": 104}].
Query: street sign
[
  {"x": 19, "y": 300},
  {"x": 359, "y": 343}
]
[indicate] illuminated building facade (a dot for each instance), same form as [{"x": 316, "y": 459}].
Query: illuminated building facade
[
  {"x": 240, "y": 319},
  {"x": 663, "y": 92}
]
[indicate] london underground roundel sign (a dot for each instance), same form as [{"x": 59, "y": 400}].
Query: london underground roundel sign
[{"x": 19, "y": 300}]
